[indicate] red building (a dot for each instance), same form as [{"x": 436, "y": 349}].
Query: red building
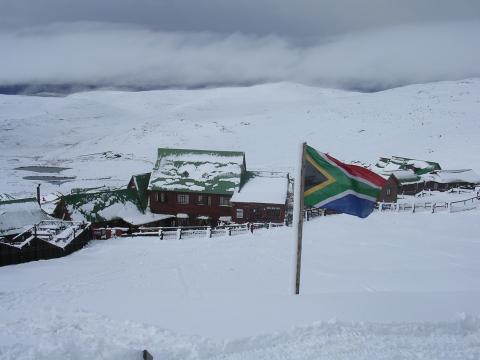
[
  {"x": 262, "y": 198},
  {"x": 196, "y": 186}
]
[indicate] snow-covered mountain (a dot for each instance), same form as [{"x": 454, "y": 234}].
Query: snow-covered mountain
[{"x": 103, "y": 137}]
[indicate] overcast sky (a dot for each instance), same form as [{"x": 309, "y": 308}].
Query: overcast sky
[{"x": 345, "y": 43}]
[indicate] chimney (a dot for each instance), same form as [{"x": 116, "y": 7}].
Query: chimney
[{"x": 38, "y": 193}]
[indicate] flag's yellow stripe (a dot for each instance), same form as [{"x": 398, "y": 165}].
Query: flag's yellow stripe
[{"x": 330, "y": 179}]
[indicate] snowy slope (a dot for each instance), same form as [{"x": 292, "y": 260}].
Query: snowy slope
[
  {"x": 391, "y": 291},
  {"x": 105, "y": 136},
  {"x": 393, "y": 286}
]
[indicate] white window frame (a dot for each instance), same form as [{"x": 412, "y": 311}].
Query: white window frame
[
  {"x": 224, "y": 201},
  {"x": 183, "y": 199},
  {"x": 240, "y": 213}
]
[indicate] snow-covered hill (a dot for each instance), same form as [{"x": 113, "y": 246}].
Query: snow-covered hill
[{"x": 105, "y": 136}]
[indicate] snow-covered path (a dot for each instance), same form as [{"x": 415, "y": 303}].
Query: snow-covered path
[{"x": 393, "y": 286}]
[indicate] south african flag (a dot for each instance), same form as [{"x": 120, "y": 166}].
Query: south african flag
[{"x": 331, "y": 184}]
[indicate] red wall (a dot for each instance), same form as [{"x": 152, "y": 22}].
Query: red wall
[
  {"x": 214, "y": 210},
  {"x": 257, "y": 213}
]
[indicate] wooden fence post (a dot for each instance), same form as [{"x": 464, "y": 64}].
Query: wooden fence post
[{"x": 160, "y": 234}]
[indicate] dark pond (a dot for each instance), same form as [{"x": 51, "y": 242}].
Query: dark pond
[
  {"x": 50, "y": 179},
  {"x": 43, "y": 169}
]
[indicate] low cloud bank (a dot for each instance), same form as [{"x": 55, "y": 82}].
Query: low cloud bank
[{"x": 105, "y": 55}]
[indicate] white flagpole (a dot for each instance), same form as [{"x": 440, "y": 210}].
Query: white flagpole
[{"x": 297, "y": 214}]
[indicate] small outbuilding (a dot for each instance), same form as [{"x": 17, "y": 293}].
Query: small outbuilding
[{"x": 262, "y": 198}]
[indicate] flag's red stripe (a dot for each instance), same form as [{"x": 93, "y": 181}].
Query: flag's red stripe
[{"x": 360, "y": 172}]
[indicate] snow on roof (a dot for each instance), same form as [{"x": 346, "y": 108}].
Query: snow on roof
[
  {"x": 104, "y": 205},
  {"x": 402, "y": 163},
  {"x": 453, "y": 176},
  {"x": 208, "y": 171},
  {"x": 263, "y": 188},
  {"x": 146, "y": 218},
  {"x": 55, "y": 232},
  {"x": 16, "y": 215},
  {"x": 404, "y": 176}
]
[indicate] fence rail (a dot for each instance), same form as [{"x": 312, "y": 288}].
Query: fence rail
[
  {"x": 433, "y": 207},
  {"x": 202, "y": 231}
]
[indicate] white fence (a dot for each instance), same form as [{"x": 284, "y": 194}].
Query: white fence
[
  {"x": 433, "y": 207},
  {"x": 202, "y": 231}
]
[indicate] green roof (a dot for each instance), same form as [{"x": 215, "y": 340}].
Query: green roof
[
  {"x": 102, "y": 205},
  {"x": 141, "y": 184},
  {"x": 420, "y": 167},
  {"x": 203, "y": 171}
]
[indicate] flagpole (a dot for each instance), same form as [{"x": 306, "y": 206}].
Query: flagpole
[{"x": 297, "y": 214}]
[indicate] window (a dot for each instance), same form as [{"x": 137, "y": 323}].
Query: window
[
  {"x": 389, "y": 191},
  {"x": 224, "y": 201},
  {"x": 239, "y": 213},
  {"x": 183, "y": 199},
  {"x": 272, "y": 212},
  {"x": 160, "y": 197},
  {"x": 182, "y": 222},
  {"x": 204, "y": 200}
]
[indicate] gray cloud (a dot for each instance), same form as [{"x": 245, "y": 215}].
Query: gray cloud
[
  {"x": 261, "y": 17},
  {"x": 134, "y": 56}
]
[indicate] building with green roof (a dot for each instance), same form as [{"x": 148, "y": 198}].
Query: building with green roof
[
  {"x": 195, "y": 185},
  {"x": 419, "y": 167}
]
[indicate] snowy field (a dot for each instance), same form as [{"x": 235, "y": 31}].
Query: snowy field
[
  {"x": 104, "y": 137},
  {"x": 393, "y": 286}
]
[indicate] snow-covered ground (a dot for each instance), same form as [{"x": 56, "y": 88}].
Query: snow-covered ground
[
  {"x": 392, "y": 286},
  {"x": 103, "y": 137}
]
